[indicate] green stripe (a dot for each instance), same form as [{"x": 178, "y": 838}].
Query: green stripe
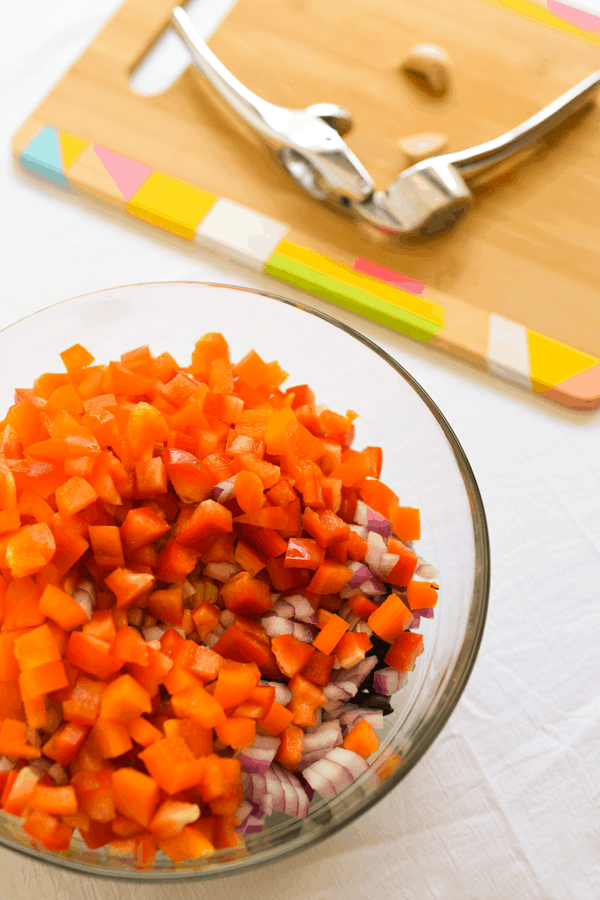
[{"x": 349, "y": 297}]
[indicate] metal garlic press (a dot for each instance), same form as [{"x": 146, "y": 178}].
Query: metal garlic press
[{"x": 423, "y": 199}]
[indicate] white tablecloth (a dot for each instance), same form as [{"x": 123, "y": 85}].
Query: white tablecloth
[{"x": 505, "y": 804}]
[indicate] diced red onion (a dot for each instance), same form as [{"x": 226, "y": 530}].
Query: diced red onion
[
  {"x": 283, "y": 695},
  {"x": 244, "y": 810},
  {"x": 154, "y": 644},
  {"x": 58, "y": 774},
  {"x": 388, "y": 681},
  {"x": 319, "y": 736},
  {"x": 347, "y": 592},
  {"x": 332, "y": 708},
  {"x": 303, "y": 609},
  {"x": 187, "y": 589},
  {"x": 224, "y": 490},
  {"x": 373, "y": 520},
  {"x": 373, "y": 587},
  {"x": 353, "y": 762},
  {"x": 253, "y": 825},
  {"x": 222, "y": 571},
  {"x": 211, "y": 639},
  {"x": 328, "y": 777},
  {"x": 275, "y": 625},
  {"x": 425, "y": 613},
  {"x": 284, "y": 609},
  {"x": 7, "y": 763},
  {"x": 360, "y": 530},
  {"x": 342, "y": 691},
  {"x": 259, "y": 756},
  {"x": 85, "y": 595},
  {"x": 256, "y": 790},
  {"x": 426, "y": 571},
  {"x": 356, "y": 675},
  {"x": 303, "y": 632},
  {"x": 154, "y": 632},
  {"x": 226, "y": 618},
  {"x": 360, "y": 574}
]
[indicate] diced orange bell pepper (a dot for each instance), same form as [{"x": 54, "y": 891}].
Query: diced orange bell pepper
[
  {"x": 167, "y": 605},
  {"x": 278, "y": 718},
  {"x": 171, "y": 816},
  {"x": 406, "y": 522},
  {"x": 404, "y": 569},
  {"x": 190, "y": 843},
  {"x": 249, "y": 491},
  {"x": 129, "y": 645},
  {"x": 124, "y": 699},
  {"x": 146, "y": 426},
  {"x": 43, "y": 679},
  {"x": 378, "y": 496},
  {"x": 246, "y": 596},
  {"x": 102, "y": 625},
  {"x": 304, "y": 553},
  {"x": 404, "y": 651},
  {"x": 331, "y": 632},
  {"x": 390, "y": 619},
  {"x": 74, "y": 495},
  {"x": 318, "y": 669},
  {"x": 107, "y": 546},
  {"x": 351, "y": 648},
  {"x": 61, "y": 608},
  {"x": 111, "y": 737},
  {"x": 128, "y": 586},
  {"x": 83, "y": 703},
  {"x": 197, "y": 704},
  {"x": 58, "y": 801},
  {"x": 13, "y": 741},
  {"x": 144, "y": 732},
  {"x": 198, "y": 739},
  {"x": 136, "y": 795},
  {"x": 325, "y": 527},
  {"x": 175, "y": 562},
  {"x": 206, "y": 618},
  {"x": 289, "y": 752},
  {"x": 234, "y": 685},
  {"x": 237, "y": 732},
  {"x": 92, "y": 655},
  {"x": 30, "y": 549},
  {"x": 361, "y": 739},
  {"x": 18, "y": 790},
  {"x": 208, "y": 518},
  {"x": 172, "y": 764},
  {"x": 95, "y": 794},
  {"x": 306, "y": 699},
  {"x": 330, "y": 578},
  {"x": 36, "y": 647},
  {"x": 65, "y": 742},
  {"x": 142, "y": 526},
  {"x": 421, "y": 594},
  {"x": 201, "y": 661},
  {"x": 291, "y": 654}
]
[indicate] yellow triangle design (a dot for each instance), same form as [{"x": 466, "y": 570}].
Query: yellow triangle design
[
  {"x": 553, "y": 362},
  {"x": 70, "y": 147}
]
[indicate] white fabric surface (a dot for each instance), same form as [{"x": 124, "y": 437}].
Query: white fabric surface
[{"x": 505, "y": 804}]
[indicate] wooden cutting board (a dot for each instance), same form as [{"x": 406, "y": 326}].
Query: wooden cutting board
[{"x": 513, "y": 287}]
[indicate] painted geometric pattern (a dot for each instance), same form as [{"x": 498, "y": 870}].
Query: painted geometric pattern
[{"x": 383, "y": 295}]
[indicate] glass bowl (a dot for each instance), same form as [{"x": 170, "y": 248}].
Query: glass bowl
[{"x": 423, "y": 462}]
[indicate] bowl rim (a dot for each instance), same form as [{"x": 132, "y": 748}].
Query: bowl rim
[{"x": 463, "y": 665}]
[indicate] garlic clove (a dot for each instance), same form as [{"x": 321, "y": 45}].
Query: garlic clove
[
  {"x": 431, "y": 64},
  {"x": 421, "y": 146}
]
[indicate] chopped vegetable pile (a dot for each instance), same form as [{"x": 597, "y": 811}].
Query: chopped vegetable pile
[{"x": 207, "y": 599}]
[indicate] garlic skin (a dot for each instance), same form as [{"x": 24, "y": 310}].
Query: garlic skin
[
  {"x": 417, "y": 147},
  {"x": 431, "y": 64}
]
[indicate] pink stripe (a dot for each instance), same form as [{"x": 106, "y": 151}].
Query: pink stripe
[
  {"x": 382, "y": 273},
  {"x": 579, "y": 392},
  {"x": 127, "y": 174},
  {"x": 579, "y": 17}
]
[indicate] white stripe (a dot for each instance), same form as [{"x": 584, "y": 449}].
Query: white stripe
[
  {"x": 240, "y": 232},
  {"x": 508, "y": 351}
]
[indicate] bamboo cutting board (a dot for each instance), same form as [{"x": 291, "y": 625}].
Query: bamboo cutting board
[{"x": 513, "y": 287}]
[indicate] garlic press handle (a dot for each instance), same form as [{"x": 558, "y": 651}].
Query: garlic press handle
[
  {"x": 484, "y": 156},
  {"x": 312, "y": 151}
]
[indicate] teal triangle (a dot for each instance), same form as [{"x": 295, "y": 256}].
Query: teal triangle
[{"x": 42, "y": 156}]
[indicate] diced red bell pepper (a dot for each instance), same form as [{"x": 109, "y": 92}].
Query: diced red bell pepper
[
  {"x": 142, "y": 526},
  {"x": 351, "y": 648},
  {"x": 306, "y": 699},
  {"x": 303, "y": 553},
  {"x": 404, "y": 651},
  {"x": 318, "y": 669},
  {"x": 291, "y": 654}
]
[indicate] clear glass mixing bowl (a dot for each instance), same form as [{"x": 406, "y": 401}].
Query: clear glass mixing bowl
[{"x": 423, "y": 462}]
